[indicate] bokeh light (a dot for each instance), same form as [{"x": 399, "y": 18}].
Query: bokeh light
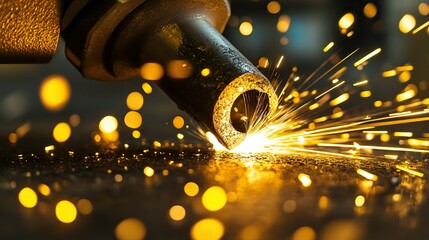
[
  {"x": 214, "y": 198},
  {"x": 179, "y": 69},
  {"x": 55, "y": 92},
  {"x": 346, "y": 21},
  {"x": 207, "y": 229},
  {"x": 27, "y": 197},
  {"x": 359, "y": 201},
  {"x": 44, "y": 189},
  {"x": 148, "y": 171},
  {"x": 178, "y": 122},
  {"x": 62, "y": 132},
  {"x": 246, "y": 28},
  {"x": 273, "y": 7},
  {"x": 135, "y": 101},
  {"x": 147, "y": 88},
  {"x": 370, "y": 10},
  {"x": 133, "y": 119},
  {"x": 304, "y": 233},
  {"x": 177, "y": 213},
  {"x": 152, "y": 71},
  {"x": 84, "y": 206},
  {"x": 130, "y": 229},
  {"x": 407, "y": 23},
  {"x": 108, "y": 124},
  {"x": 283, "y": 23},
  {"x": 191, "y": 189},
  {"x": 65, "y": 211}
]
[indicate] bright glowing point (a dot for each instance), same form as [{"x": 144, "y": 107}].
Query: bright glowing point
[
  {"x": 177, "y": 213},
  {"x": 246, "y": 28},
  {"x": 191, "y": 189},
  {"x": 44, "y": 189},
  {"x": 55, "y": 92},
  {"x": 359, "y": 201},
  {"x": 304, "y": 179},
  {"x": 135, "y": 101},
  {"x": 370, "y": 10},
  {"x": 147, "y": 88},
  {"x": 273, "y": 7},
  {"x": 406, "y": 169},
  {"x": 403, "y": 134},
  {"x": 65, "y": 211},
  {"x": 136, "y": 134},
  {"x": 263, "y": 62},
  {"x": 367, "y": 57},
  {"x": 407, "y": 23},
  {"x": 178, "y": 122},
  {"x": 214, "y": 198},
  {"x": 133, "y": 119},
  {"x": 342, "y": 98},
  {"x": 148, "y": 171},
  {"x": 180, "y": 136},
  {"x": 108, "y": 124},
  {"x": 365, "y": 94},
  {"x": 283, "y": 24},
  {"x": 329, "y": 46},
  {"x": 62, "y": 132},
  {"x": 207, "y": 229},
  {"x": 27, "y": 197},
  {"x": 152, "y": 71},
  {"x": 346, "y": 21},
  {"x": 367, "y": 175},
  {"x": 405, "y": 95},
  {"x": 130, "y": 228},
  {"x": 205, "y": 72}
]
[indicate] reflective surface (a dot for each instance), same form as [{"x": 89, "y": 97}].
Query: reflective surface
[{"x": 126, "y": 194}]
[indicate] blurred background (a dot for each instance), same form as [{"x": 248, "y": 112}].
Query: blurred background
[{"x": 299, "y": 30}]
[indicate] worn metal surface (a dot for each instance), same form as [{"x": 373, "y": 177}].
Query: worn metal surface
[
  {"x": 266, "y": 200},
  {"x": 30, "y": 30}
]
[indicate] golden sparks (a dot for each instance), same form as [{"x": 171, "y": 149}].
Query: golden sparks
[
  {"x": 367, "y": 57},
  {"x": 367, "y": 175},
  {"x": 328, "y": 47}
]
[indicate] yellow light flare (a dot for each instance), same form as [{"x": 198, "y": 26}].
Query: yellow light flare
[
  {"x": 27, "y": 197},
  {"x": 389, "y": 73},
  {"x": 407, "y": 23},
  {"x": 404, "y": 77},
  {"x": 65, "y": 211},
  {"x": 390, "y": 156},
  {"x": 55, "y": 92},
  {"x": 313, "y": 106},
  {"x": 418, "y": 142},
  {"x": 178, "y": 122},
  {"x": 337, "y": 114},
  {"x": 367, "y": 57},
  {"x": 365, "y": 94},
  {"x": 44, "y": 189},
  {"x": 97, "y": 138},
  {"x": 207, "y": 229},
  {"x": 49, "y": 148},
  {"x": 378, "y": 103},
  {"x": 148, "y": 171},
  {"x": 367, "y": 175},
  {"x": 278, "y": 65},
  {"x": 61, "y": 132},
  {"x": 108, "y": 124},
  {"x": 359, "y": 201},
  {"x": 403, "y": 134},
  {"x": 321, "y": 119},
  {"x": 349, "y": 34},
  {"x": 177, "y": 213},
  {"x": 110, "y": 137},
  {"x": 304, "y": 179},
  {"x": 370, "y": 10},
  {"x": 424, "y": 9},
  {"x": 133, "y": 119},
  {"x": 405, "y": 68},
  {"x": 156, "y": 144},
  {"x": 180, "y": 136},
  {"x": 246, "y": 28},
  {"x": 136, "y": 134},
  {"x": 84, "y": 206},
  {"x": 346, "y": 21},
  {"x": 304, "y": 233},
  {"x": 147, "y": 88},
  {"x": 135, "y": 101},
  {"x": 328, "y": 47},
  {"x": 263, "y": 62},
  {"x": 74, "y": 120},
  {"x": 342, "y": 98},
  {"x": 205, "y": 72},
  {"x": 405, "y": 95},
  {"x": 214, "y": 198},
  {"x": 406, "y": 169},
  {"x": 152, "y": 71},
  {"x": 130, "y": 228},
  {"x": 421, "y": 27},
  {"x": 13, "y": 138},
  {"x": 273, "y": 7},
  {"x": 191, "y": 189},
  {"x": 283, "y": 23}
]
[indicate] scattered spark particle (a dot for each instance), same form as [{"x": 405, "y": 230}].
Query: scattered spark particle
[
  {"x": 396, "y": 197},
  {"x": 390, "y": 73},
  {"x": 133, "y": 119},
  {"x": 370, "y": 10},
  {"x": 418, "y": 142},
  {"x": 405, "y": 95},
  {"x": 365, "y": 94},
  {"x": 180, "y": 136},
  {"x": 404, "y": 77},
  {"x": 148, "y": 171},
  {"x": 407, "y": 23},
  {"x": 328, "y": 47},
  {"x": 84, "y": 206},
  {"x": 207, "y": 229},
  {"x": 363, "y": 82},
  {"x": 147, "y": 88},
  {"x": 349, "y": 34},
  {"x": 392, "y": 157},
  {"x": 283, "y": 23},
  {"x": 152, "y": 71},
  {"x": 191, "y": 189},
  {"x": 27, "y": 197},
  {"x": 342, "y": 98},
  {"x": 178, "y": 122},
  {"x": 205, "y": 72},
  {"x": 284, "y": 41},
  {"x": 263, "y": 62},
  {"x": 304, "y": 233},
  {"x": 375, "y": 132},
  {"x": 403, "y": 134},
  {"x": 55, "y": 92},
  {"x": 421, "y": 27},
  {"x": 359, "y": 201},
  {"x": 246, "y": 28},
  {"x": 367, "y": 57},
  {"x": 273, "y": 7},
  {"x": 44, "y": 189},
  {"x": 65, "y": 211},
  {"x": 130, "y": 228},
  {"x": 136, "y": 134},
  {"x": 346, "y": 21},
  {"x": 313, "y": 106},
  {"x": 177, "y": 213},
  {"x": 135, "y": 101},
  {"x": 280, "y": 61},
  {"x": 405, "y": 68},
  {"x": 332, "y": 88},
  {"x": 61, "y": 132},
  {"x": 374, "y": 147},
  {"x": 49, "y": 148},
  {"x": 367, "y": 175},
  {"x": 108, "y": 124},
  {"x": 378, "y": 103},
  {"x": 214, "y": 198},
  {"x": 156, "y": 144},
  {"x": 413, "y": 172},
  {"x": 304, "y": 179}
]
